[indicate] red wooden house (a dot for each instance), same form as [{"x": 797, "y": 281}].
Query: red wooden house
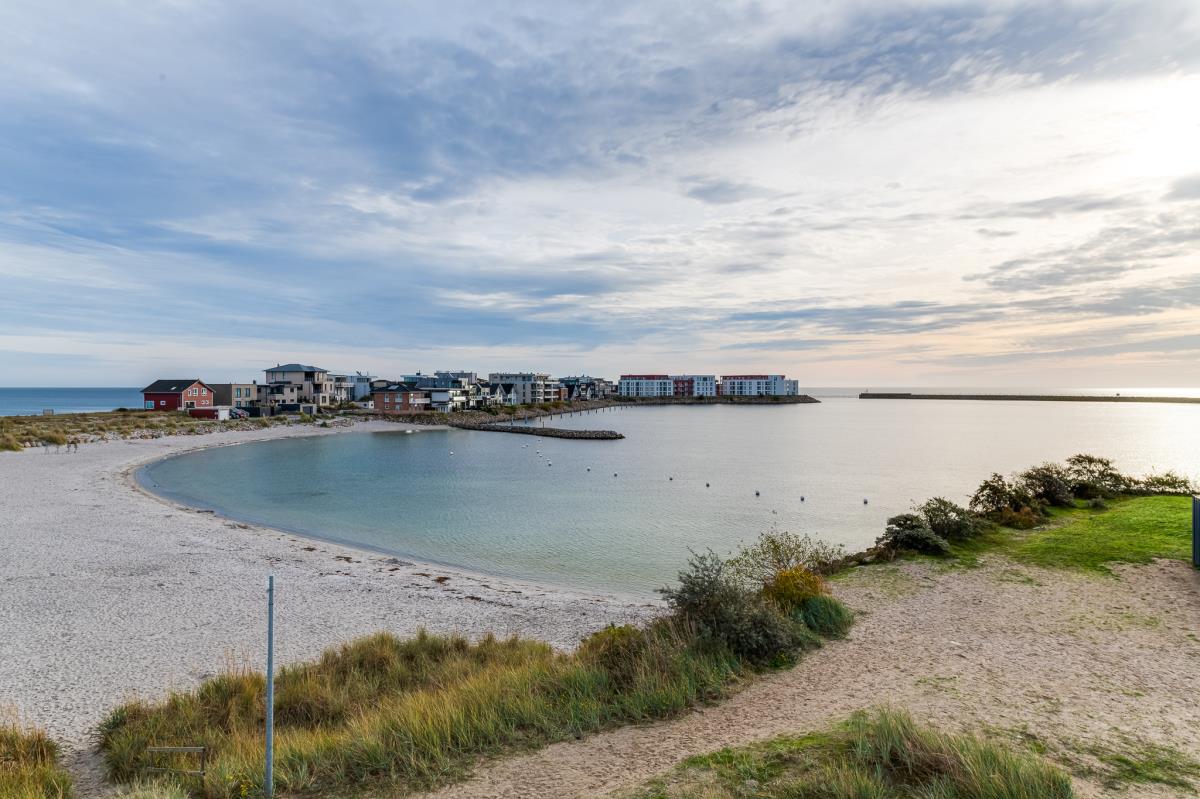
[{"x": 177, "y": 395}]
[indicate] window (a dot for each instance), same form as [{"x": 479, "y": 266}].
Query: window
[{"x": 161, "y": 403}]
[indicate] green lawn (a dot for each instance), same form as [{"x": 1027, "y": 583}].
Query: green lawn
[{"x": 1135, "y": 530}]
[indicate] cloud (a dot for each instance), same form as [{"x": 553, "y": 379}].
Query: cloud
[
  {"x": 1185, "y": 188},
  {"x": 1111, "y": 253},
  {"x": 739, "y": 182}
]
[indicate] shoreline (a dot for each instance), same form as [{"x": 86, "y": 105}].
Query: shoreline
[{"x": 138, "y": 594}]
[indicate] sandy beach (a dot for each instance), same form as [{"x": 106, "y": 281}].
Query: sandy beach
[{"x": 110, "y": 592}]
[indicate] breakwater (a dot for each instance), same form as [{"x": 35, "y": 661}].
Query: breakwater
[
  {"x": 543, "y": 432},
  {"x": 1025, "y": 397}
]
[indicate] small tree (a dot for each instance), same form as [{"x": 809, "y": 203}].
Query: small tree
[{"x": 1093, "y": 476}]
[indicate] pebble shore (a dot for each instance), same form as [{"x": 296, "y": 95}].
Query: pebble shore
[{"x": 110, "y": 592}]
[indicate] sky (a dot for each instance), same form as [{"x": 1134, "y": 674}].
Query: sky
[{"x": 859, "y": 193}]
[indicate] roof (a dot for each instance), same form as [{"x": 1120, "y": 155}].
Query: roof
[
  {"x": 173, "y": 386},
  {"x": 295, "y": 367},
  {"x": 397, "y": 387}
]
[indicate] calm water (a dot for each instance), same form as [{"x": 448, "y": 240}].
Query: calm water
[
  {"x": 25, "y": 401},
  {"x": 496, "y": 505}
]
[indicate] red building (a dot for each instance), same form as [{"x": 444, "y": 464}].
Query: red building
[
  {"x": 176, "y": 395},
  {"x": 400, "y": 398}
]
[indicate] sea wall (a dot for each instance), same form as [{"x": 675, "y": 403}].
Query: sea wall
[{"x": 1024, "y": 397}]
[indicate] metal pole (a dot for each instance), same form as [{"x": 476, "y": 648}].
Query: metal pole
[{"x": 268, "y": 774}]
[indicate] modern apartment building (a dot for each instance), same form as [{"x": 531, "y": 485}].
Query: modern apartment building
[
  {"x": 235, "y": 395},
  {"x": 297, "y": 384},
  {"x": 646, "y": 386},
  {"x": 527, "y": 387},
  {"x": 694, "y": 385},
  {"x": 758, "y": 386}
]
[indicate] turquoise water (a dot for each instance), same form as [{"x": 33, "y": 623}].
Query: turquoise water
[
  {"x": 26, "y": 401},
  {"x": 496, "y": 505}
]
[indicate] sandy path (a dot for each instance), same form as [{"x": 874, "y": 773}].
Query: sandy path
[
  {"x": 1012, "y": 650},
  {"x": 107, "y": 592}
]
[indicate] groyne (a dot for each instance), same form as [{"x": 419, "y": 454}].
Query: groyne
[
  {"x": 897, "y": 395},
  {"x": 543, "y": 432}
]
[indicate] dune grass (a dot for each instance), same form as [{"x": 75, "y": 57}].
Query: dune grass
[
  {"x": 19, "y": 432},
  {"x": 410, "y": 714},
  {"x": 29, "y": 767},
  {"x": 878, "y": 755}
]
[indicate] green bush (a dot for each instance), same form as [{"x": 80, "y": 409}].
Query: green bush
[
  {"x": 775, "y": 551},
  {"x": 951, "y": 521},
  {"x": 724, "y": 613},
  {"x": 909, "y": 532},
  {"x": 1165, "y": 483},
  {"x": 1048, "y": 484},
  {"x": 791, "y": 588},
  {"x": 617, "y": 650},
  {"x": 826, "y": 616},
  {"x": 996, "y": 495},
  {"x": 1093, "y": 476},
  {"x": 10, "y": 443}
]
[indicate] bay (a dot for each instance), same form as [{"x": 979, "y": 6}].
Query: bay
[{"x": 622, "y": 515}]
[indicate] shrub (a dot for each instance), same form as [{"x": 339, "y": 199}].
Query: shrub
[
  {"x": 617, "y": 650},
  {"x": 1048, "y": 484},
  {"x": 949, "y": 520},
  {"x": 776, "y": 551},
  {"x": 725, "y": 614},
  {"x": 10, "y": 443},
  {"x": 826, "y": 616},
  {"x": 996, "y": 495},
  {"x": 908, "y": 531},
  {"x": 1023, "y": 519},
  {"x": 1093, "y": 476},
  {"x": 790, "y": 588},
  {"x": 53, "y": 437},
  {"x": 1165, "y": 483},
  {"x": 1097, "y": 503}
]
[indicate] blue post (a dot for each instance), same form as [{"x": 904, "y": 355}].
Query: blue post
[
  {"x": 1196, "y": 532},
  {"x": 268, "y": 774}
]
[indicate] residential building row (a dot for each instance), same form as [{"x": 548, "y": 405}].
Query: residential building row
[
  {"x": 298, "y": 387},
  {"x": 655, "y": 385}
]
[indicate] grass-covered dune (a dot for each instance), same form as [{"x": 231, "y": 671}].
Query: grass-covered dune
[
  {"x": 880, "y": 755},
  {"x": 412, "y": 714},
  {"x": 19, "y": 432},
  {"x": 29, "y": 767}
]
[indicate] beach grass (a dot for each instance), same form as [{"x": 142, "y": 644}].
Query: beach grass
[
  {"x": 20, "y": 432},
  {"x": 875, "y": 755},
  {"x": 29, "y": 764},
  {"x": 409, "y": 714}
]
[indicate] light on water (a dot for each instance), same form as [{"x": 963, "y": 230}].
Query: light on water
[{"x": 836, "y": 470}]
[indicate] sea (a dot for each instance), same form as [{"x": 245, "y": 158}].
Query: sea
[
  {"x": 623, "y": 516},
  {"x": 35, "y": 401}
]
